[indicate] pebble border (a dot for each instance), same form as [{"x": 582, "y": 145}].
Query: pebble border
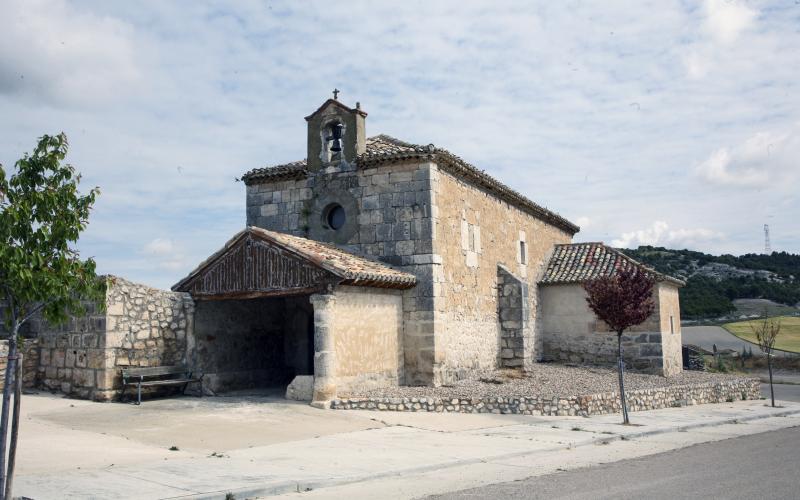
[{"x": 737, "y": 389}]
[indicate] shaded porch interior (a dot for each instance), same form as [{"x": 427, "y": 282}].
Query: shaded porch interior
[{"x": 255, "y": 343}]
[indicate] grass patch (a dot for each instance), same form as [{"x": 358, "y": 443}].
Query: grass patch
[{"x": 788, "y": 339}]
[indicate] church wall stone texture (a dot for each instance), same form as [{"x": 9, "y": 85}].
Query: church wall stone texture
[
  {"x": 475, "y": 233},
  {"x": 572, "y": 333}
]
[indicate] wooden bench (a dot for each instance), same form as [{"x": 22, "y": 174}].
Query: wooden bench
[{"x": 154, "y": 376}]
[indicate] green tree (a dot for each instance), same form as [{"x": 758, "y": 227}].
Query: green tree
[{"x": 41, "y": 217}]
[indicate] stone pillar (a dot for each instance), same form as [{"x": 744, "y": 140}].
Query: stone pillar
[
  {"x": 324, "y": 350},
  {"x": 514, "y": 316}
]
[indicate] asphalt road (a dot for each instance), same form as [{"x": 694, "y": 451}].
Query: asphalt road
[
  {"x": 707, "y": 336},
  {"x": 755, "y": 466},
  {"x": 783, "y": 392}
]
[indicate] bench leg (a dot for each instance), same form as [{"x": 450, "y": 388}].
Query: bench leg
[{"x": 139, "y": 393}]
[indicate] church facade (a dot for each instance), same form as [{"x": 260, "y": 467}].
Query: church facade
[
  {"x": 474, "y": 255},
  {"x": 372, "y": 263}
]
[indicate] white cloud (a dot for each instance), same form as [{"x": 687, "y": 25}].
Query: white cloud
[
  {"x": 727, "y": 19},
  {"x": 54, "y": 52},
  {"x": 764, "y": 159},
  {"x": 660, "y": 234},
  {"x": 583, "y": 222},
  {"x": 722, "y": 39},
  {"x": 165, "y": 254},
  {"x": 166, "y": 103},
  {"x": 159, "y": 247}
]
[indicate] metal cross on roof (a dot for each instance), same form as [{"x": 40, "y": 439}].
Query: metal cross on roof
[{"x": 336, "y": 93}]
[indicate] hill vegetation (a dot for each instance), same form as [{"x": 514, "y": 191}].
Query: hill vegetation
[{"x": 714, "y": 282}]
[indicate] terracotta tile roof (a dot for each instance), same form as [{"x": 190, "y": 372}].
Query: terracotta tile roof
[
  {"x": 377, "y": 147},
  {"x": 352, "y": 270},
  {"x": 580, "y": 262},
  {"x": 293, "y": 170},
  {"x": 383, "y": 149}
]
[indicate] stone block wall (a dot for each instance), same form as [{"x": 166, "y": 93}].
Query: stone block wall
[
  {"x": 139, "y": 326},
  {"x": 450, "y": 234},
  {"x": 475, "y": 232},
  {"x": 30, "y": 363},
  {"x": 144, "y": 327},
  {"x": 571, "y": 333},
  {"x": 514, "y": 318},
  {"x": 389, "y": 217},
  {"x": 73, "y": 354}
]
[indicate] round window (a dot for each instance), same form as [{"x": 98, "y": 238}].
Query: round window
[{"x": 335, "y": 216}]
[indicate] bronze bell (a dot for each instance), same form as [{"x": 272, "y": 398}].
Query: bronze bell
[{"x": 337, "y": 129}]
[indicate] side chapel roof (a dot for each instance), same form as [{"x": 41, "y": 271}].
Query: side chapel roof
[{"x": 580, "y": 262}]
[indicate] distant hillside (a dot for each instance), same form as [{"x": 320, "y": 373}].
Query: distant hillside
[{"x": 714, "y": 282}]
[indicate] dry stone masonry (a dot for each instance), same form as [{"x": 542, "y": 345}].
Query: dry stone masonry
[
  {"x": 139, "y": 326},
  {"x": 30, "y": 363},
  {"x": 594, "y": 404}
]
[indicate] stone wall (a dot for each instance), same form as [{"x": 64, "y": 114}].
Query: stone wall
[
  {"x": 670, "y": 322},
  {"x": 240, "y": 343},
  {"x": 367, "y": 329},
  {"x": 140, "y": 326},
  {"x": 30, "y": 363},
  {"x": 571, "y": 332},
  {"x": 73, "y": 355},
  {"x": 450, "y": 234},
  {"x": 735, "y": 389},
  {"x": 474, "y": 233},
  {"x": 514, "y": 317},
  {"x": 389, "y": 217}
]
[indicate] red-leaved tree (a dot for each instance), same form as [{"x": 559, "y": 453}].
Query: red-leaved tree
[{"x": 622, "y": 300}]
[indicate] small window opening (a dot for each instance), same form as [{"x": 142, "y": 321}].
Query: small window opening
[
  {"x": 522, "y": 253},
  {"x": 335, "y": 217},
  {"x": 671, "y": 324}
]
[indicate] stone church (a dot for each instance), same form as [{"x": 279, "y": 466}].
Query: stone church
[{"x": 373, "y": 262}]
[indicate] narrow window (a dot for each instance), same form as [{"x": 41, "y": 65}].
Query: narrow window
[
  {"x": 671, "y": 324},
  {"x": 522, "y": 253}
]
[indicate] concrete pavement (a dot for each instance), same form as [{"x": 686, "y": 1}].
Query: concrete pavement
[{"x": 255, "y": 447}]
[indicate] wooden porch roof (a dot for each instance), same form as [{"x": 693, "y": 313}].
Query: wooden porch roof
[{"x": 260, "y": 263}]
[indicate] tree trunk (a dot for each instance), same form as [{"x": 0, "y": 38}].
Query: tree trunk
[
  {"x": 769, "y": 368},
  {"x": 10, "y": 369},
  {"x": 621, "y": 370},
  {"x": 12, "y": 449}
]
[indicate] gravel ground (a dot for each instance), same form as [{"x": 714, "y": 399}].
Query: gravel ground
[{"x": 547, "y": 380}]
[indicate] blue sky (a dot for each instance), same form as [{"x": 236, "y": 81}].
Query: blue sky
[{"x": 667, "y": 123}]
